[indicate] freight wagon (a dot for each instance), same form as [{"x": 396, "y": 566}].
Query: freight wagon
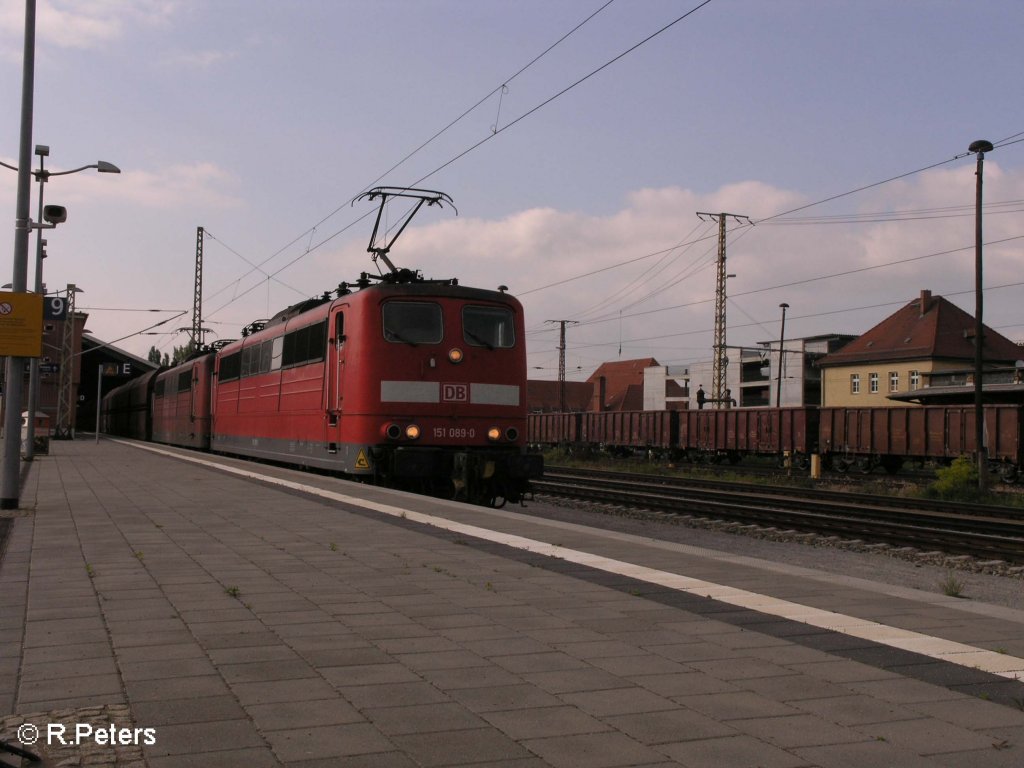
[{"x": 846, "y": 438}]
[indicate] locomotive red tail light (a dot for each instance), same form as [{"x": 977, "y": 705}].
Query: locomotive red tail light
[
  {"x": 493, "y": 434},
  {"x": 412, "y": 431},
  {"x": 455, "y": 355},
  {"x": 393, "y": 431},
  {"x": 511, "y": 434}
]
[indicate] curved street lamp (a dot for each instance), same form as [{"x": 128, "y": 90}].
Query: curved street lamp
[
  {"x": 42, "y": 176},
  {"x": 782, "y": 342},
  {"x": 979, "y": 147}
]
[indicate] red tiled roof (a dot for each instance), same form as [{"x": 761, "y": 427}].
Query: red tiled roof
[
  {"x": 624, "y": 384},
  {"x": 941, "y": 331}
]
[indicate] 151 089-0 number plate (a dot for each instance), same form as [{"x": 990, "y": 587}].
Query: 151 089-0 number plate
[{"x": 461, "y": 433}]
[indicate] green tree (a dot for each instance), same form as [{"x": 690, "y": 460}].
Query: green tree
[
  {"x": 182, "y": 353},
  {"x": 153, "y": 355}
]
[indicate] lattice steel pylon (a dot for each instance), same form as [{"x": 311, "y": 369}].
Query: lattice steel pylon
[
  {"x": 561, "y": 361},
  {"x": 65, "y": 429},
  {"x": 720, "y": 361},
  {"x": 198, "y": 339}
]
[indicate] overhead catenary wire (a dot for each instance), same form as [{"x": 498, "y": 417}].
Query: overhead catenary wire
[
  {"x": 900, "y": 302},
  {"x": 804, "y": 281},
  {"x": 310, "y": 247},
  {"x": 767, "y": 219}
]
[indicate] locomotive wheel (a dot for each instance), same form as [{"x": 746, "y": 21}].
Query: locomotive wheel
[
  {"x": 864, "y": 465},
  {"x": 802, "y": 461},
  {"x": 1009, "y": 473},
  {"x": 842, "y": 466}
]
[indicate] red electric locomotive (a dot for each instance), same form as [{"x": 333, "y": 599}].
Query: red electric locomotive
[
  {"x": 181, "y": 404},
  {"x": 414, "y": 383},
  {"x": 411, "y": 383}
]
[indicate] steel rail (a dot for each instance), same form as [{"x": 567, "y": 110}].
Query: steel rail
[{"x": 977, "y": 535}]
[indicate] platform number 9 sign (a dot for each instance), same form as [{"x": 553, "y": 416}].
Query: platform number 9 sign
[{"x": 55, "y": 308}]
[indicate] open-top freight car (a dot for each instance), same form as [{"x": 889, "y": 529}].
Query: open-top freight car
[
  {"x": 865, "y": 438},
  {"x": 846, "y": 438},
  {"x": 127, "y": 410},
  {"x": 732, "y": 433},
  {"x": 704, "y": 435}
]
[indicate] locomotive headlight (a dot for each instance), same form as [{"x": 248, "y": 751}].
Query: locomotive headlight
[
  {"x": 511, "y": 434},
  {"x": 412, "y": 431},
  {"x": 455, "y": 355},
  {"x": 393, "y": 431},
  {"x": 493, "y": 434}
]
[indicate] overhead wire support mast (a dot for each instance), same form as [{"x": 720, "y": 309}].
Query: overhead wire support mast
[
  {"x": 197, "y": 300},
  {"x": 720, "y": 361},
  {"x": 428, "y": 196},
  {"x": 561, "y": 361}
]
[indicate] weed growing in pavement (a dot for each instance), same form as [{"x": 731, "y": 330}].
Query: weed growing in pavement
[
  {"x": 90, "y": 571},
  {"x": 232, "y": 592},
  {"x": 951, "y": 586},
  {"x": 334, "y": 547},
  {"x": 139, "y": 555}
]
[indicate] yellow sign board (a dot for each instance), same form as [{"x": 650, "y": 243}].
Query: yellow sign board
[
  {"x": 21, "y": 324},
  {"x": 361, "y": 462}
]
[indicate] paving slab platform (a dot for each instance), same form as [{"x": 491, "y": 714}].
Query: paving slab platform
[{"x": 257, "y": 616}]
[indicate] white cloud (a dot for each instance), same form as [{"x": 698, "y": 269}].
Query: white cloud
[
  {"x": 195, "y": 185},
  {"x": 541, "y": 247},
  {"x": 84, "y": 24}
]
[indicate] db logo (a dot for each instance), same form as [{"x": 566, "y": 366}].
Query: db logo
[{"x": 455, "y": 393}]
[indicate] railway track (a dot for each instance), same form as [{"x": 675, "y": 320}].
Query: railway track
[{"x": 985, "y": 532}]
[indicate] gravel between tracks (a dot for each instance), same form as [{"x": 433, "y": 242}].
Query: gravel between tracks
[{"x": 993, "y": 584}]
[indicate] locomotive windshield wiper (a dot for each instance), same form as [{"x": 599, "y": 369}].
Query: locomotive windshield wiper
[
  {"x": 391, "y": 335},
  {"x": 479, "y": 340}
]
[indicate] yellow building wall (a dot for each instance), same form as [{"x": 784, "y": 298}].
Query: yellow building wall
[{"x": 836, "y": 388}]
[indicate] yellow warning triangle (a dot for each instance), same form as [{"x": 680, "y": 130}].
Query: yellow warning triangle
[{"x": 361, "y": 462}]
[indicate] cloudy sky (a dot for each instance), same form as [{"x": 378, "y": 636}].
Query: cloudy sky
[{"x": 577, "y": 184}]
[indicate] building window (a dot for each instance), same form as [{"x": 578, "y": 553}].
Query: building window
[
  {"x": 854, "y": 383},
  {"x": 873, "y": 382},
  {"x": 894, "y": 381},
  {"x": 915, "y": 380}
]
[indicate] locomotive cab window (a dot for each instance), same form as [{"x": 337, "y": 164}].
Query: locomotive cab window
[
  {"x": 490, "y": 327},
  {"x": 412, "y": 322}
]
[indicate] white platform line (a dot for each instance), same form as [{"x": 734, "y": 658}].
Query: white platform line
[{"x": 934, "y": 647}]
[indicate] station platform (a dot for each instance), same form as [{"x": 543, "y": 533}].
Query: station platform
[{"x": 202, "y": 611}]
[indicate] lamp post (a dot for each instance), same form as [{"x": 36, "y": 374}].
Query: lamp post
[
  {"x": 979, "y": 147},
  {"x": 42, "y": 176},
  {"x": 782, "y": 341},
  {"x": 10, "y": 485}
]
